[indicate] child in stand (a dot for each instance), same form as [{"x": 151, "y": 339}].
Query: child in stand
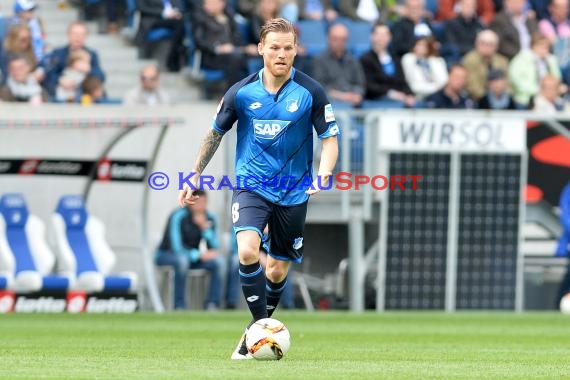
[{"x": 69, "y": 86}]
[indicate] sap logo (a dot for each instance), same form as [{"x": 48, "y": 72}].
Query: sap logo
[
  {"x": 254, "y": 106},
  {"x": 268, "y": 129}
]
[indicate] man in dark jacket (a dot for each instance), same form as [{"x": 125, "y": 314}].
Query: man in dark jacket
[
  {"x": 514, "y": 28},
  {"x": 408, "y": 28},
  {"x": 180, "y": 248},
  {"x": 162, "y": 14},
  {"x": 217, "y": 36},
  {"x": 453, "y": 95},
  {"x": 54, "y": 63}
]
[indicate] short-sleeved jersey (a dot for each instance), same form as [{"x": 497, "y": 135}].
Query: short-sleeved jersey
[{"x": 274, "y": 150}]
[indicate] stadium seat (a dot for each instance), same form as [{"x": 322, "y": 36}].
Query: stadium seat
[
  {"x": 3, "y": 27},
  {"x": 24, "y": 253},
  {"x": 312, "y": 36},
  {"x": 83, "y": 251},
  {"x": 358, "y": 37}
]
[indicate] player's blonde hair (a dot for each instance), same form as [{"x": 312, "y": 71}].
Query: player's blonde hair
[{"x": 278, "y": 25}]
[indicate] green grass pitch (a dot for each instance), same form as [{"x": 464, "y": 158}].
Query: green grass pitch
[{"x": 335, "y": 345}]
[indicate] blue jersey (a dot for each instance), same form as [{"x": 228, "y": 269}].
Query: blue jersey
[{"x": 274, "y": 152}]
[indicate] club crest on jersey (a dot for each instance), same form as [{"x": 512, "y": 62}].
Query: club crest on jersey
[
  {"x": 292, "y": 105},
  {"x": 268, "y": 129},
  {"x": 298, "y": 243}
]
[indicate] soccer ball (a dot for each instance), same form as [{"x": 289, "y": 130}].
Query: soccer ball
[
  {"x": 268, "y": 339},
  {"x": 565, "y": 304}
]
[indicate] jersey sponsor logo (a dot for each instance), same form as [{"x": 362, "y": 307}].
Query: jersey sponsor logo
[
  {"x": 252, "y": 298},
  {"x": 255, "y": 105},
  {"x": 298, "y": 243},
  {"x": 292, "y": 105},
  {"x": 268, "y": 129},
  {"x": 329, "y": 114}
]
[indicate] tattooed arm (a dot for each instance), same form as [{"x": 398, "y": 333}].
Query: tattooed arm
[{"x": 207, "y": 149}]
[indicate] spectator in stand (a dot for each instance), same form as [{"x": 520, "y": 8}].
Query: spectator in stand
[
  {"x": 339, "y": 72},
  {"x": 453, "y": 95},
  {"x": 21, "y": 85},
  {"x": 461, "y": 31},
  {"x": 556, "y": 27},
  {"x": 54, "y": 63},
  {"x": 217, "y": 36},
  {"x": 383, "y": 72},
  {"x": 515, "y": 28},
  {"x": 18, "y": 41},
  {"x": 450, "y": 9},
  {"x": 481, "y": 60},
  {"x": 265, "y": 10},
  {"x": 411, "y": 26},
  {"x": 24, "y": 14},
  {"x": 77, "y": 69},
  {"x": 319, "y": 10},
  {"x": 371, "y": 10},
  {"x": 528, "y": 67},
  {"x": 93, "y": 92},
  {"x": 180, "y": 248},
  {"x": 497, "y": 96},
  {"x": 539, "y": 8},
  {"x": 162, "y": 14},
  {"x": 548, "y": 100},
  {"x": 424, "y": 69},
  {"x": 148, "y": 92}
]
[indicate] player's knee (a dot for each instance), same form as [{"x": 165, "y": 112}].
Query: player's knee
[
  {"x": 248, "y": 254},
  {"x": 275, "y": 274}
]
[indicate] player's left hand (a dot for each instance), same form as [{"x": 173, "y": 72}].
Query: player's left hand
[
  {"x": 321, "y": 182},
  {"x": 186, "y": 196}
]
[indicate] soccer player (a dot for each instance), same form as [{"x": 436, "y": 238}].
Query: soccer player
[{"x": 276, "y": 110}]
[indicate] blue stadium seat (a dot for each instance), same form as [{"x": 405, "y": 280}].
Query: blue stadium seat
[
  {"x": 83, "y": 250},
  {"x": 359, "y": 37},
  {"x": 157, "y": 34},
  {"x": 25, "y": 256},
  {"x": 312, "y": 36},
  {"x": 3, "y": 28}
]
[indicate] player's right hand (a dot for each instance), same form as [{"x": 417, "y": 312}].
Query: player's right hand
[{"x": 186, "y": 196}]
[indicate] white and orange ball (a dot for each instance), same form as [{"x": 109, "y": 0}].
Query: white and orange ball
[{"x": 268, "y": 339}]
